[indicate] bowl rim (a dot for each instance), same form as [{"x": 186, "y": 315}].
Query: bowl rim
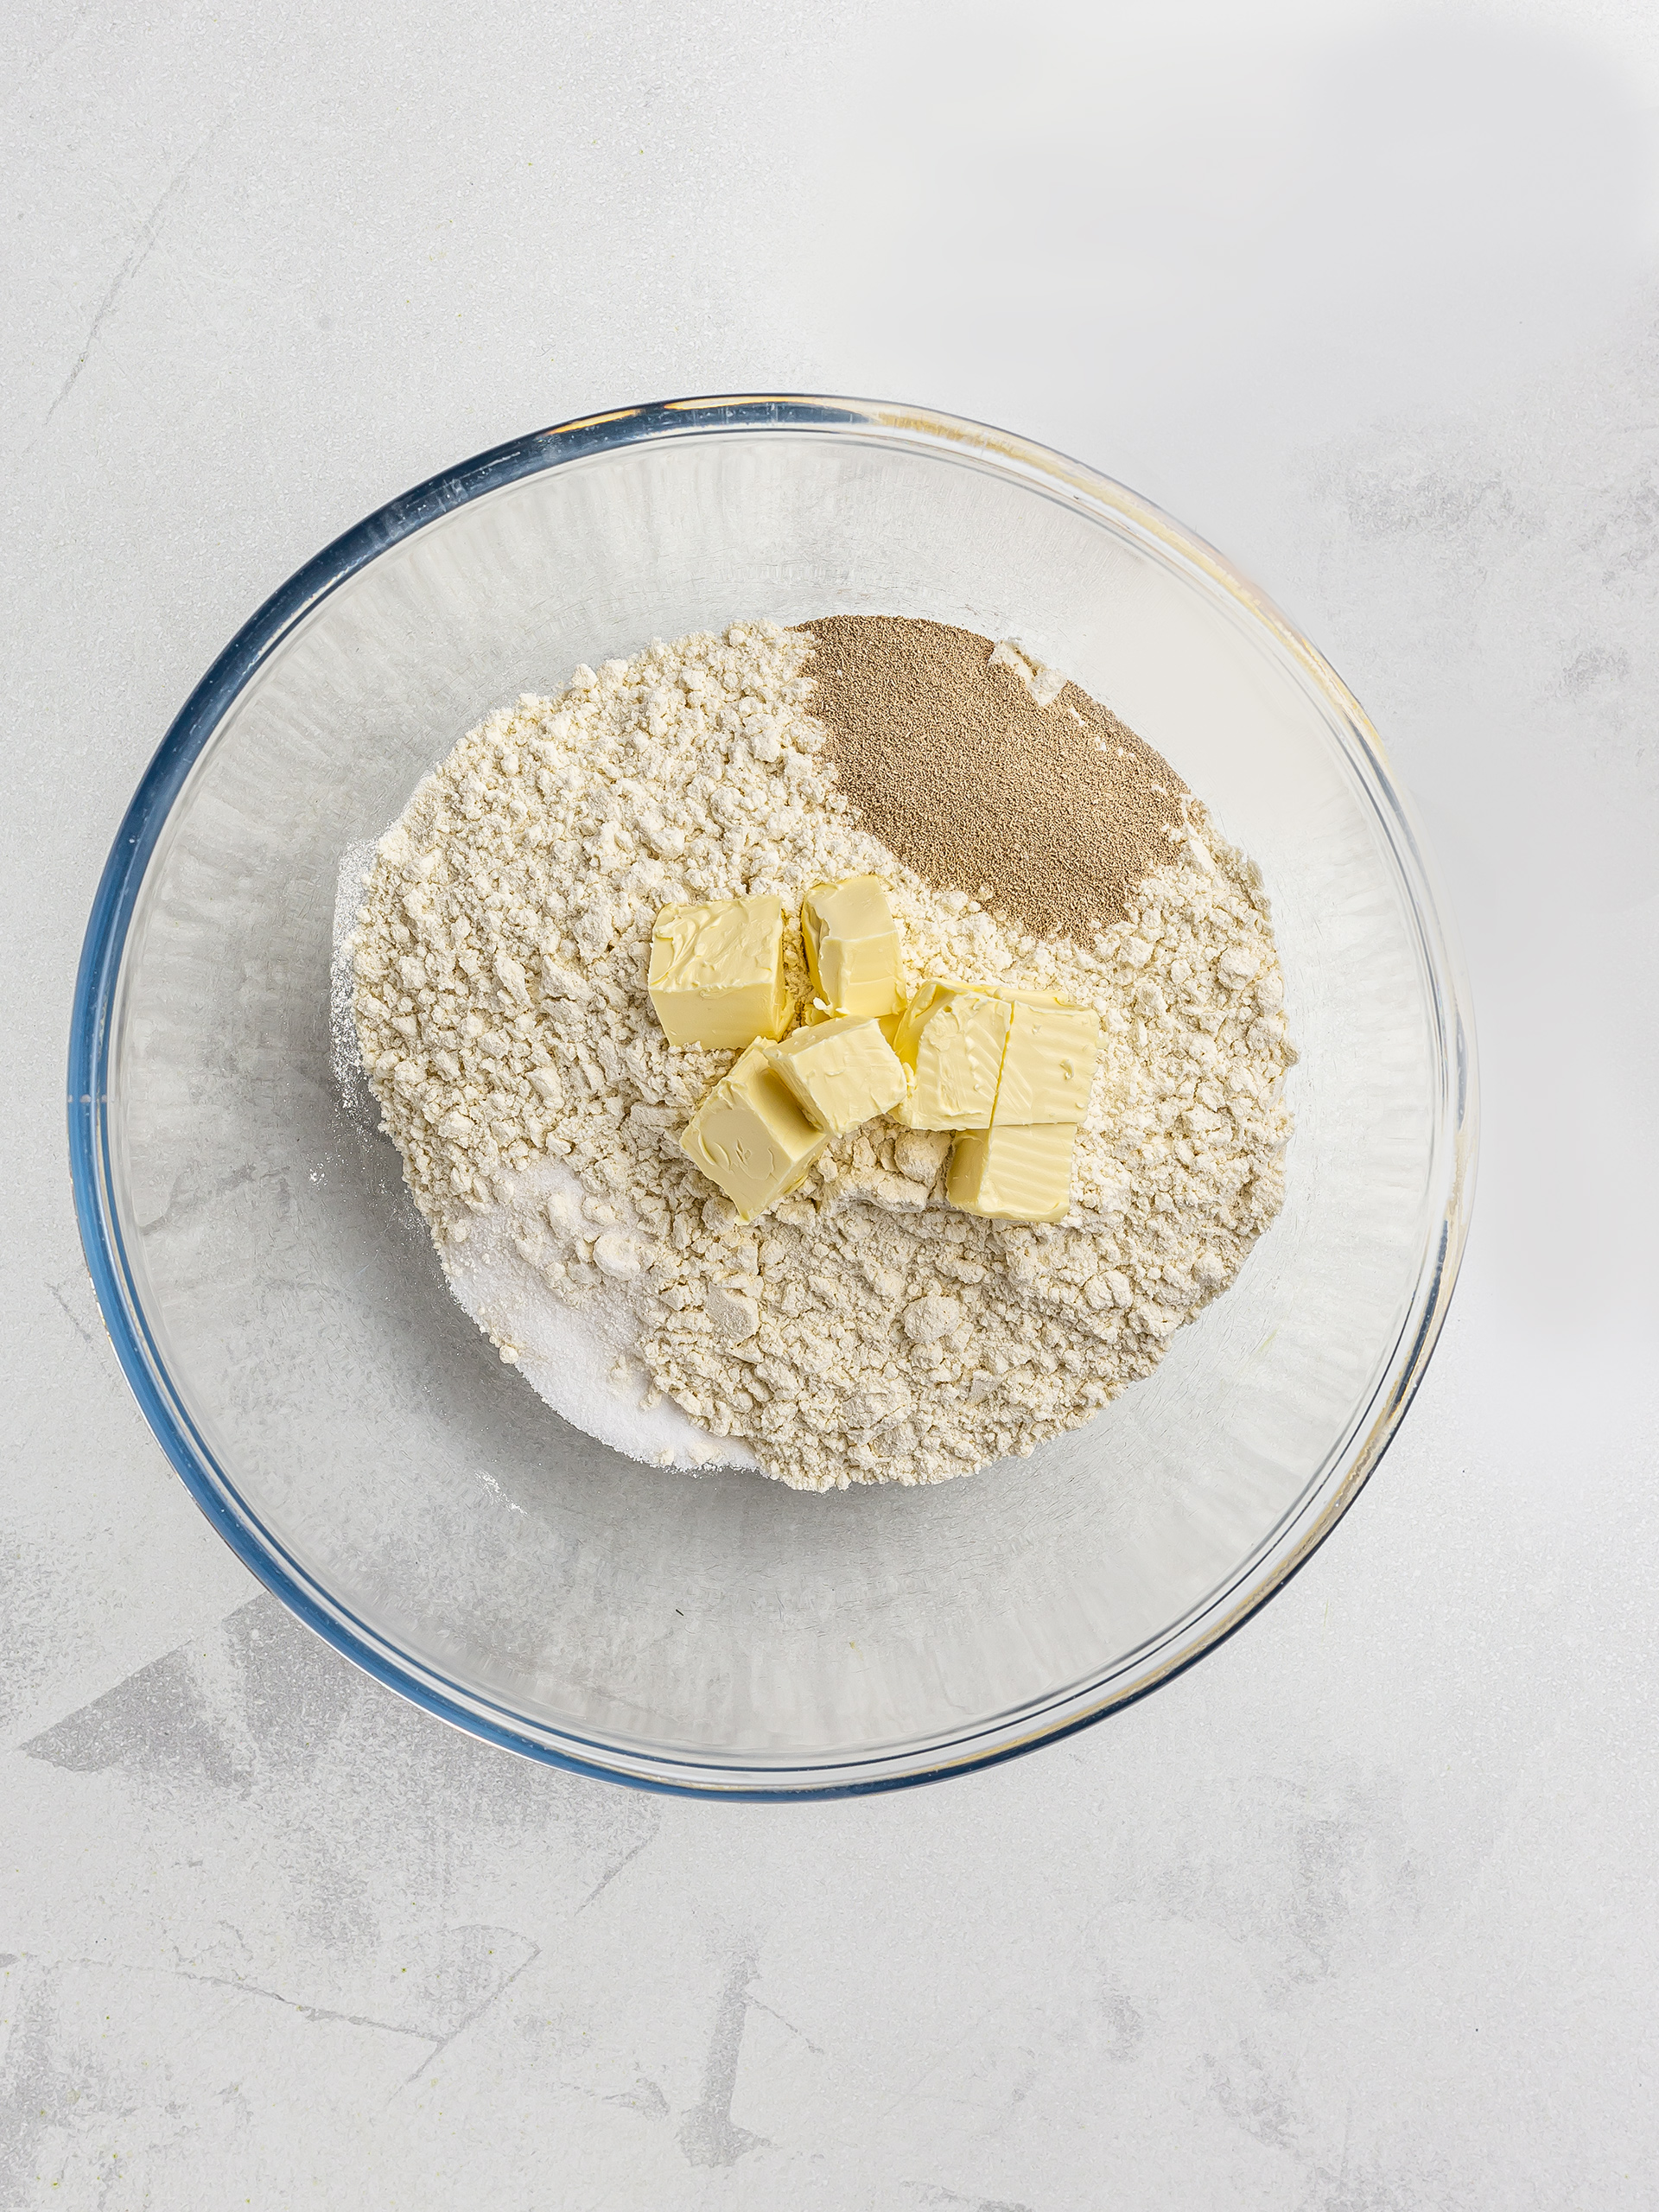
[{"x": 1323, "y": 1504}]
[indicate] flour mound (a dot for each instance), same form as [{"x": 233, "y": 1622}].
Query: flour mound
[{"x": 863, "y": 1331}]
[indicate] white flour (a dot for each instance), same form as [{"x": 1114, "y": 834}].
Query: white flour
[
  {"x": 864, "y": 1330},
  {"x": 585, "y": 1363}
]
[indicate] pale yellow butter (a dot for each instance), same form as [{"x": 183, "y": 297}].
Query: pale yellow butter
[
  {"x": 717, "y": 973},
  {"x": 1048, "y": 1063},
  {"x": 928, "y": 993},
  {"x": 1014, "y": 1172},
  {"x": 950, "y": 1039},
  {"x": 815, "y": 1011},
  {"x": 852, "y": 946},
  {"x": 843, "y": 1072},
  {"x": 751, "y": 1136}
]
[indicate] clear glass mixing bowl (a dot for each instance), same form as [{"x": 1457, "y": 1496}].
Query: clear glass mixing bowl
[{"x": 280, "y": 1315}]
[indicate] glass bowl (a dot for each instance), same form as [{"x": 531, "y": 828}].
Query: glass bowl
[{"x": 278, "y": 1309}]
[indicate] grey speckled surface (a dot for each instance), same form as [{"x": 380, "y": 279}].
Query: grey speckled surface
[{"x": 1359, "y": 1914}]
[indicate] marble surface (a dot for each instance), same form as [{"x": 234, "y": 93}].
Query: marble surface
[{"x": 1358, "y": 1914}]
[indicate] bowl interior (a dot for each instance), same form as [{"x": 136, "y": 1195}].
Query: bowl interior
[{"x": 366, "y": 1444}]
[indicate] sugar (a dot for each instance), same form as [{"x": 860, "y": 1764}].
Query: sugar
[{"x": 584, "y": 1361}]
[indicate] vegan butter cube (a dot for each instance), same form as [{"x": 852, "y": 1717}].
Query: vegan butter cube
[
  {"x": 717, "y": 973},
  {"x": 951, "y": 1038},
  {"x": 852, "y": 947},
  {"x": 1048, "y": 1063},
  {"x": 1014, "y": 1171},
  {"x": 843, "y": 1072},
  {"x": 751, "y": 1136}
]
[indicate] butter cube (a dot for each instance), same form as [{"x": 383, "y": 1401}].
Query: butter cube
[
  {"x": 1048, "y": 1063},
  {"x": 928, "y": 993},
  {"x": 751, "y": 1136},
  {"x": 843, "y": 1072},
  {"x": 815, "y": 1011},
  {"x": 717, "y": 973},
  {"x": 852, "y": 947},
  {"x": 951, "y": 1038},
  {"x": 1013, "y": 1171}
]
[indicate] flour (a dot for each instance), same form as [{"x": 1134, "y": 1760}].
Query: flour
[
  {"x": 863, "y": 1330},
  {"x": 1044, "y": 683},
  {"x": 584, "y": 1364}
]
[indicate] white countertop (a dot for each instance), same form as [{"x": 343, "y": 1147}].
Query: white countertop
[{"x": 1359, "y": 1912}]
